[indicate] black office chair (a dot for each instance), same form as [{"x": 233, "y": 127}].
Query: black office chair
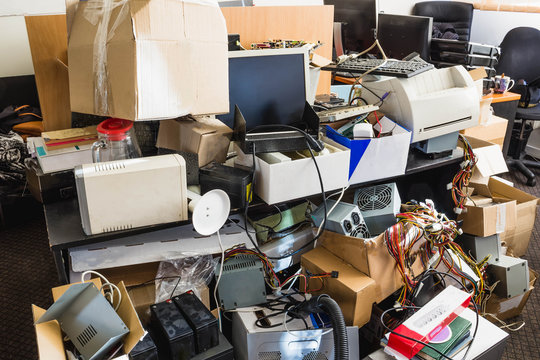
[
  {"x": 520, "y": 51},
  {"x": 448, "y": 13}
]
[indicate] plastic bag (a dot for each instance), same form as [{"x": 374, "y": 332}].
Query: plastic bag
[{"x": 189, "y": 273}]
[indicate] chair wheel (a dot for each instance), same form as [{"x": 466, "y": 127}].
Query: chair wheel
[{"x": 531, "y": 182}]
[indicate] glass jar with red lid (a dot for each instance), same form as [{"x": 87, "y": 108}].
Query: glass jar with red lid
[{"x": 116, "y": 141}]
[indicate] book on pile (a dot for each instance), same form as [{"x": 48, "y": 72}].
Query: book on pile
[
  {"x": 451, "y": 340},
  {"x": 63, "y": 139},
  {"x": 60, "y": 159}
]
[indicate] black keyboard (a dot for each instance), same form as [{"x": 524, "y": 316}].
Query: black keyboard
[{"x": 397, "y": 68}]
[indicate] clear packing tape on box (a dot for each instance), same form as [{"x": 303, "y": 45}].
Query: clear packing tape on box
[{"x": 101, "y": 11}]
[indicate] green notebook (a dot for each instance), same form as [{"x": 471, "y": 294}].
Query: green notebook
[{"x": 458, "y": 329}]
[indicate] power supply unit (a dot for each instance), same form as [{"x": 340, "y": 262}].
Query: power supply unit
[
  {"x": 379, "y": 205},
  {"x": 242, "y": 282},
  {"x": 512, "y": 274},
  {"x": 345, "y": 219},
  {"x": 480, "y": 247},
  {"x": 200, "y": 319},
  {"x": 172, "y": 333}
]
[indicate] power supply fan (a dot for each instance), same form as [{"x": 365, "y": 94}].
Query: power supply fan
[
  {"x": 374, "y": 198},
  {"x": 361, "y": 231}
]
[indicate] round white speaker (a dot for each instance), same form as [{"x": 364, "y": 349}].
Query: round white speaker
[{"x": 210, "y": 211}]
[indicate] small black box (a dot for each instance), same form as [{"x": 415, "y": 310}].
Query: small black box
[
  {"x": 201, "y": 320},
  {"x": 224, "y": 351},
  {"x": 173, "y": 335},
  {"x": 235, "y": 182},
  {"x": 234, "y": 40},
  {"x": 144, "y": 350}
]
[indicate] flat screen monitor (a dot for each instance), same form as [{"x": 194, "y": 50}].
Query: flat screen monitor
[
  {"x": 269, "y": 86},
  {"x": 400, "y": 35},
  {"x": 359, "y": 18}
]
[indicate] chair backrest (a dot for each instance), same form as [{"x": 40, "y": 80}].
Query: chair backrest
[
  {"x": 457, "y": 14},
  {"x": 520, "y": 53}
]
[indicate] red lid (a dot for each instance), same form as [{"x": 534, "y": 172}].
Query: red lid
[{"x": 116, "y": 128}]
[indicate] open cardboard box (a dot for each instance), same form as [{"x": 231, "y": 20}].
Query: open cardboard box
[
  {"x": 487, "y": 218},
  {"x": 516, "y": 239},
  {"x": 371, "y": 257},
  {"x": 490, "y": 160},
  {"x": 352, "y": 290},
  {"x": 283, "y": 181},
  {"x": 505, "y": 309},
  {"x": 50, "y": 339},
  {"x": 368, "y": 154}
]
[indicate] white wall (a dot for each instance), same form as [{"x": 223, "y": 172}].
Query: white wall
[
  {"x": 489, "y": 27},
  {"x": 16, "y": 59}
]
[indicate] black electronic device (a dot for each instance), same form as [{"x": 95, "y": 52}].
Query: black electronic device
[
  {"x": 271, "y": 87},
  {"x": 223, "y": 351},
  {"x": 144, "y": 350},
  {"x": 359, "y": 20},
  {"x": 173, "y": 335},
  {"x": 234, "y": 42},
  {"x": 235, "y": 182},
  {"x": 201, "y": 320},
  {"x": 400, "y": 35},
  {"x": 397, "y": 68}
]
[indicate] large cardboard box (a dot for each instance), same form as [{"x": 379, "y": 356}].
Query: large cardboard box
[
  {"x": 367, "y": 155},
  {"x": 494, "y": 216},
  {"x": 277, "y": 182},
  {"x": 503, "y": 309},
  {"x": 352, "y": 290},
  {"x": 207, "y": 137},
  {"x": 493, "y": 130},
  {"x": 517, "y": 239},
  {"x": 490, "y": 160},
  {"x": 50, "y": 340},
  {"x": 143, "y": 60},
  {"x": 371, "y": 257}
]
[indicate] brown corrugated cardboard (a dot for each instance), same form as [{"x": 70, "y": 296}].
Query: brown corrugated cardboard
[
  {"x": 49, "y": 335},
  {"x": 490, "y": 160},
  {"x": 370, "y": 257},
  {"x": 504, "y": 309},
  {"x": 492, "y": 131},
  {"x": 517, "y": 240},
  {"x": 352, "y": 290},
  {"x": 207, "y": 137},
  {"x": 142, "y": 60},
  {"x": 491, "y": 218}
]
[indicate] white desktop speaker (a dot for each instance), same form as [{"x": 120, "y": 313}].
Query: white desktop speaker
[{"x": 124, "y": 194}]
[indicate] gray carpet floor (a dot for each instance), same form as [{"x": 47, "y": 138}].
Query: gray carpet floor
[{"x": 27, "y": 273}]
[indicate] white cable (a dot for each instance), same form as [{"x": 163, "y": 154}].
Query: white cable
[
  {"x": 219, "y": 278},
  {"x": 302, "y": 337},
  {"x": 106, "y": 283},
  {"x": 332, "y": 209}
]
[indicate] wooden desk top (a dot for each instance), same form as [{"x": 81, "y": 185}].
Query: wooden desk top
[
  {"x": 498, "y": 98},
  {"x": 345, "y": 80}
]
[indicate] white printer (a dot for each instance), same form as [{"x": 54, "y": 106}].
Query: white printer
[{"x": 431, "y": 104}]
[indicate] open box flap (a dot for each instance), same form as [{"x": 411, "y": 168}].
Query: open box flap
[{"x": 48, "y": 337}]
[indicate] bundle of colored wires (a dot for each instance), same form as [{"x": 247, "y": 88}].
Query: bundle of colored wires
[
  {"x": 460, "y": 182},
  {"x": 271, "y": 278}
]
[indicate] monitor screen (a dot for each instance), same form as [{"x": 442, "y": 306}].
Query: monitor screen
[
  {"x": 269, "y": 86},
  {"x": 400, "y": 35},
  {"x": 359, "y": 18}
]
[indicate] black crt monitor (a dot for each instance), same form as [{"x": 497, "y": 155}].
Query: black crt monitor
[
  {"x": 400, "y": 35},
  {"x": 269, "y": 86},
  {"x": 359, "y": 18}
]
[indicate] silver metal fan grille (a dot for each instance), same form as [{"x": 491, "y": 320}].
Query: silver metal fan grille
[
  {"x": 361, "y": 231},
  {"x": 374, "y": 198},
  {"x": 315, "y": 355},
  {"x": 269, "y": 355}
]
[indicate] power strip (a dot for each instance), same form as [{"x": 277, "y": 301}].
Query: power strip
[{"x": 427, "y": 322}]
